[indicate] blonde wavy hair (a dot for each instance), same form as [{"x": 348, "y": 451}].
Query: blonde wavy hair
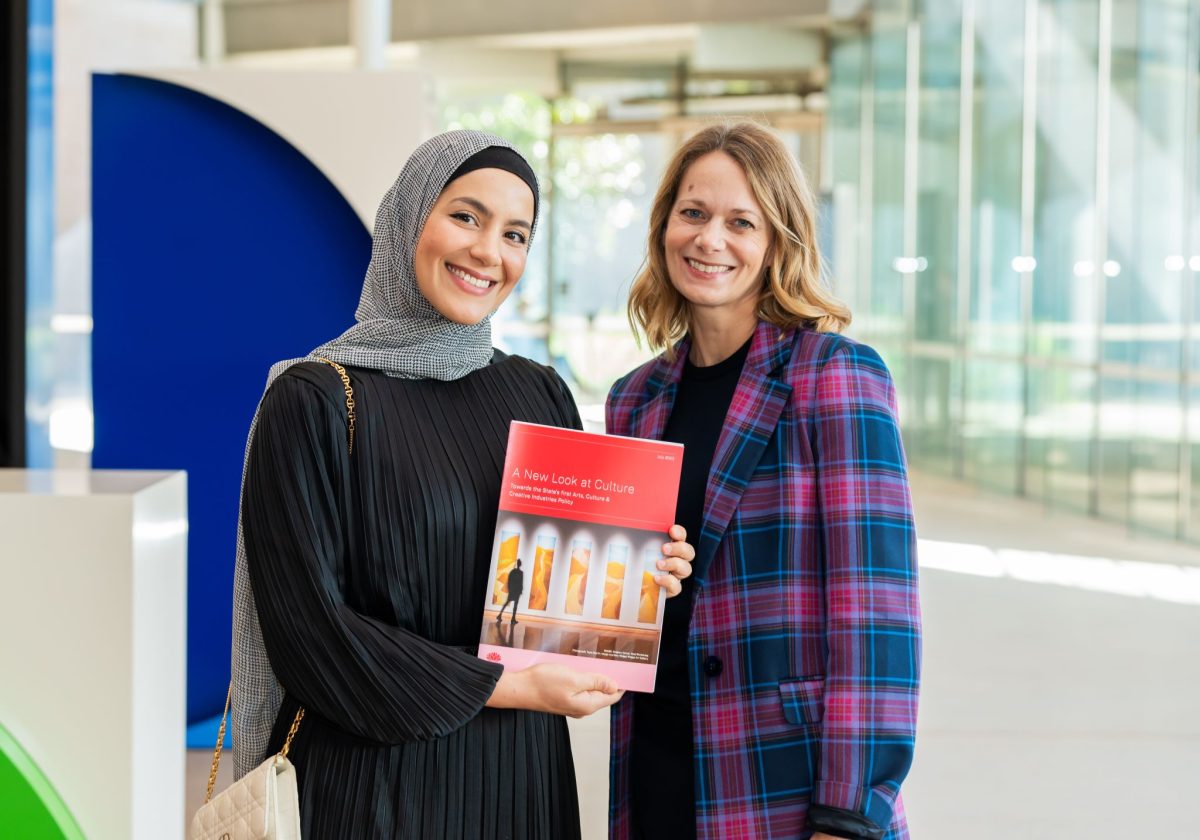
[{"x": 793, "y": 294}]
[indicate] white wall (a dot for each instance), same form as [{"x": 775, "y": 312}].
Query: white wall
[
  {"x": 88, "y": 36},
  {"x": 358, "y": 127}
]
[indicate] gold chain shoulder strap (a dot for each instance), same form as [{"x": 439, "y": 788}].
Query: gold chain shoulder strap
[
  {"x": 216, "y": 762},
  {"x": 349, "y": 389},
  {"x": 287, "y": 744}
]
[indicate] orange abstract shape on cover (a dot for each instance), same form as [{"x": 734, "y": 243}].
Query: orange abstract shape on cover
[
  {"x": 577, "y": 581},
  {"x": 543, "y": 562},
  {"x": 648, "y": 604},
  {"x": 614, "y": 582},
  {"x": 506, "y": 562}
]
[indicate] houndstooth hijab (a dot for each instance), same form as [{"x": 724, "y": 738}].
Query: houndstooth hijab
[{"x": 398, "y": 332}]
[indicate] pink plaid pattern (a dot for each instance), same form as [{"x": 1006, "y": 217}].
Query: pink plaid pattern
[{"x": 806, "y": 592}]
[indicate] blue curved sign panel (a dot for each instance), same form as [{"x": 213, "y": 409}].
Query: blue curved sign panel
[{"x": 218, "y": 249}]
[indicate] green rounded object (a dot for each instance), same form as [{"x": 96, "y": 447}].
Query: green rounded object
[{"x": 30, "y": 807}]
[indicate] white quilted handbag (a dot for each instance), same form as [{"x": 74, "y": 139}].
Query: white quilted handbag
[{"x": 262, "y": 805}]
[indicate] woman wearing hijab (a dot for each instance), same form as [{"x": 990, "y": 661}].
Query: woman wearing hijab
[
  {"x": 366, "y": 542},
  {"x": 785, "y": 704}
]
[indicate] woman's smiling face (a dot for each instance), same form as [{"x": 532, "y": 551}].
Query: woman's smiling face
[
  {"x": 473, "y": 248},
  {"x": 717, "y": 240}
]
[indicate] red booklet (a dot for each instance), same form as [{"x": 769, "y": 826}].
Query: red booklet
[{"x": 583, "y": 519}]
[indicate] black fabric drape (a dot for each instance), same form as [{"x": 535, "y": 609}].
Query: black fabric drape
[{"x": 369, "y": 572}]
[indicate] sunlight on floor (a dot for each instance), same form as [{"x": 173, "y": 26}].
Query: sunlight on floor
[{"x": 1138, "y": 579}]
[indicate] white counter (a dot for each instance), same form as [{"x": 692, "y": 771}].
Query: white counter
[{"x": 93, "y": 572}]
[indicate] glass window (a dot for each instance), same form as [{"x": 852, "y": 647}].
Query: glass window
[
  {"x": 992, "y": 423},
  {"x": 604, "y": 185},
  {"x": 929, "y": 410},
  {"x": 1059, "y": 428},
  {"x": 1154, "y": 461},
  {"x": 842, "y": 216},
  {"x": 1066, "y": 383},
  {"x": 1066, "y": 278},
  {"x": 996, "y": 170},
  {"x": 1139, "y": 451},
  {"x": 49, "y": 403},
  {"x": 1146, "y": 249},
  {"x": 1118, "y": 410},
  {"x": 936, "y": 277},
  {"x": 1192, "y": 510},
  {"x": 884, "y": 310}
]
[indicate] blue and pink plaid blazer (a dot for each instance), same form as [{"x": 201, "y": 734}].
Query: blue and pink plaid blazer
[{"x": 804, "y": 649}]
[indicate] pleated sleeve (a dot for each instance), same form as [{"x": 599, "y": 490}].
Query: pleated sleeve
[
  {"x": 371, "y": 679},
  {"x": 561, "y": 394}
]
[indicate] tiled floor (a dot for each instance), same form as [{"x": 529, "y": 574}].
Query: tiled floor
[{"x": 1061, "y": 692}]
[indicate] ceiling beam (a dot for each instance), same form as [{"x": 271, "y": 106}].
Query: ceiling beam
[{"x": 260, "y": 25}]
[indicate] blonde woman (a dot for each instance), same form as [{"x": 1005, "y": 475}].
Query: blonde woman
[{"x": 787, "y": 688}]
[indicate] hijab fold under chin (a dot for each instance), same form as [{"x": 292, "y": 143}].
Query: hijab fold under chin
[{"x": 397, "y": 332}]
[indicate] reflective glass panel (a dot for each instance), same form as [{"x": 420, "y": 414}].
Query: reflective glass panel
[
  {"x": 1192, "y": 508},
  {"x": 1148, "y": 191},
  {"x": 604, "y": 185},
  {"x": 992, "y": 423},
  {"x": 996, "y": 175},
  {"x": 1118, "y": 424},
  {"x": 936, "y": 277},
  {"x": 1059, "y": 428},
  {"x": 1066, "y": 279},
  {"x": 1154, "y": 461},
  {"x": 929, "y": 409},
  {"x": 886, "y": 318},
  {"x": 844, "y": 209}
]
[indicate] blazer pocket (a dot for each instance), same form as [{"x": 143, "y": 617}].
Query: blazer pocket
[{"x": 803, "y": 700}]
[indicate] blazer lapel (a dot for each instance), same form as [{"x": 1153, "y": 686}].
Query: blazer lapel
[
  {"x": 649, "y": 419},
  {"x": 758, "y": 401}
]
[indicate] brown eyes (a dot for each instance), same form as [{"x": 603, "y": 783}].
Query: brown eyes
[{"x": 469, "y": 219}]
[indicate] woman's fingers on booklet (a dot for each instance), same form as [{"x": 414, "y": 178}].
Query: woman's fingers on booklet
[
  {"x": 677, "y": 561},
  {"x": 594, "y": 701},
  {"x": 668, "y": 580},
  {"x": 679, "y": 547},
  {"x": 565, "y": 691}
]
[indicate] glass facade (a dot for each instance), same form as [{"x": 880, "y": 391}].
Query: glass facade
[
  {"x": 1014, "y": 220},
  {"x": 40, "y": 367},
  {"x": 1009, "y": 205},
  {"x": 604, "y": 184}
]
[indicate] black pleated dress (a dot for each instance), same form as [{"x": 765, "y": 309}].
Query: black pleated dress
[{"x": 369, "y": 572}]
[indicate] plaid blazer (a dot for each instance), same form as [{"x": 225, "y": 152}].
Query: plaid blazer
[{"x": 804, "y": 643}]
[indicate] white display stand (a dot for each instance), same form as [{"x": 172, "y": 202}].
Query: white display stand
[{"x": 93, "y": 570}]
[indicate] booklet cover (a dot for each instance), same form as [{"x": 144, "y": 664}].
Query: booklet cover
[{"x": 583, "y": 518}]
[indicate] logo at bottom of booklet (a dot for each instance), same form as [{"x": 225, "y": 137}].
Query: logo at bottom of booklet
[{"x": 493, "y": 656}]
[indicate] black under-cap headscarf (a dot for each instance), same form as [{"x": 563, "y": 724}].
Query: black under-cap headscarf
[{"x": 500, "y": 157}]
